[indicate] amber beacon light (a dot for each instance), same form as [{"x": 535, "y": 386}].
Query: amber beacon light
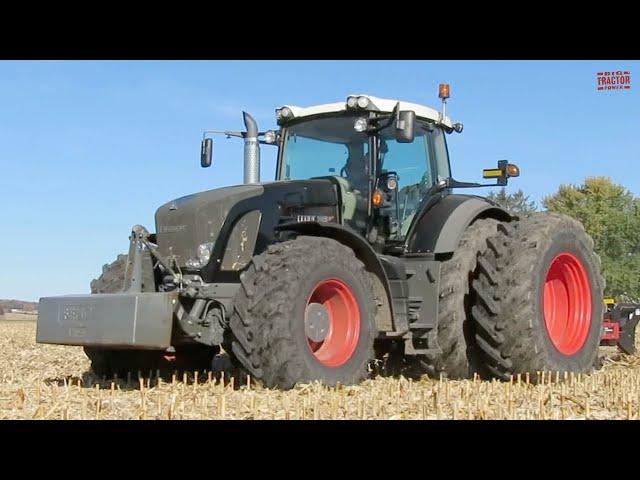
[{"x": 443, "y": 91}]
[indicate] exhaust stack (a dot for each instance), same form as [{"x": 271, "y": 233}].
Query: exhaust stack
[{"x": 251, "y": 150}]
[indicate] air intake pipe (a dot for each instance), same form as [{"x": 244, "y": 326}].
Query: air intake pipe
[{"x": 251, "y": 150}]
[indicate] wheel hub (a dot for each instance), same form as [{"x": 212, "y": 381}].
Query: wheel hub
[
  {"x": 567, "y": 303},
  {"x": 316, "y": 322},
  {"x": 332, "y": 322}
]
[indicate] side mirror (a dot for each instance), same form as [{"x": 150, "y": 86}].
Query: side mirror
[
  {"x": 405, "y": 122},
  {"x": 206, "y": 153}
]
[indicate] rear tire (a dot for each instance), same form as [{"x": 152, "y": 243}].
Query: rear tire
[
  {"x": 540, "y": 305},
  {"x": 283, "y": 289},
  {"x": 455, "y": 325}
]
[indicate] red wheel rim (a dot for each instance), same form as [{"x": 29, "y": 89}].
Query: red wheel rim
[
  {"x": 344, "y": 322},
  {"x": 567, "y": 303}
]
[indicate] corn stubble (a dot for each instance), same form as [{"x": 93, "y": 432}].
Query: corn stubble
[{"x": 53, "y": 382}]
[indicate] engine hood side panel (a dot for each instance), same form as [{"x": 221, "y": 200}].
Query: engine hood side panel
[{"x": 185, "y": 223}]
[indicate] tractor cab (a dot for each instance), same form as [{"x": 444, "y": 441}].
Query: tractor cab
[{"x": 384, "y": 155}]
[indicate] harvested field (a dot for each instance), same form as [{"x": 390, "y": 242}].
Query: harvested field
[
  {"x": 18, "y": 317},
  {"x": 53, "y": 382}
]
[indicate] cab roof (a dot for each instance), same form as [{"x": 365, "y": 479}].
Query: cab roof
[{"x": 377, "y": 104}]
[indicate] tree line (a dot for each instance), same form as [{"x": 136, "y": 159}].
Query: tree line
[{"x": 610, "y": 214}]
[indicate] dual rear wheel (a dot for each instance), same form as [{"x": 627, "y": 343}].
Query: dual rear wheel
[{"x": 539, "y": 298}]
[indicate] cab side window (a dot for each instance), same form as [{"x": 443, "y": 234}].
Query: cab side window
[
  {"x": 441, "y": 154},
  {"x": 413, "y": 164},
  {"x": 419, "y": 165}
]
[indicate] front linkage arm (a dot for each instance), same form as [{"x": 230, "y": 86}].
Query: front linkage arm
[{"x": 138, "y": 242}]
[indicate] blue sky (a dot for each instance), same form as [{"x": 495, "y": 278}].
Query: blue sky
[{"x": 89, "y": 148}]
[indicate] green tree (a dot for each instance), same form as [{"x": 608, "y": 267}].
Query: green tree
[
  {"x": 517, "y": 203},
  {"x": 611, "y": 215}
]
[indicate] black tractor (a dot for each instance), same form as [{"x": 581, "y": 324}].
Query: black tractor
[{"x": 362, "y": 250}]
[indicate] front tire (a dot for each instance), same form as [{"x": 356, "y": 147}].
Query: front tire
[
  {"x": 541, "y": 298},
  {"x": 305, "y": 312}
]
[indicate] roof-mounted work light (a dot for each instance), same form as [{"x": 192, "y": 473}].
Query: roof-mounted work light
[{"x": 358, "y": 102}]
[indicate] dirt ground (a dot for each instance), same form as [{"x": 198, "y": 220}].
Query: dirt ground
[{"x": 54, "y": 382}]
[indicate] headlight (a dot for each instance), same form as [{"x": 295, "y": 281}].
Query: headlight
[
  {"x": 203, "y": 255},
  {"x": 360, "y": 125},
  {"x": 352, "y": 102},
  {"x": 283, "y": 114},
  {"x": 286, "y": 112},
  {"x": 270, "y": 136},
  {"x": 392, "y": 182}
]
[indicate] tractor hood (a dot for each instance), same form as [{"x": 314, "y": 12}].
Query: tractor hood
[
  {"x": 240, "y": 221},
  {"x": 185, "y": 223}
]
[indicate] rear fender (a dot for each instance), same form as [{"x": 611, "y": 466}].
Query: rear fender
[{"x": 441, "y": 223}]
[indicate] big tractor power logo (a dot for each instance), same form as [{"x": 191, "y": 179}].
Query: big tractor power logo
[{"x": 618, "y": 80}]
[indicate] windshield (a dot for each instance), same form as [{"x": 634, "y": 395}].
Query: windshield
[{"x": 325, "y": 146}]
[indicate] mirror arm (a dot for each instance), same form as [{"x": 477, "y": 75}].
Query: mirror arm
[
  {"x": 228, "y": 133},
  {"x": 451, "y": 183},
  {"x": 505, "y": 169},
  {"x": 390, "y": 119}
]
